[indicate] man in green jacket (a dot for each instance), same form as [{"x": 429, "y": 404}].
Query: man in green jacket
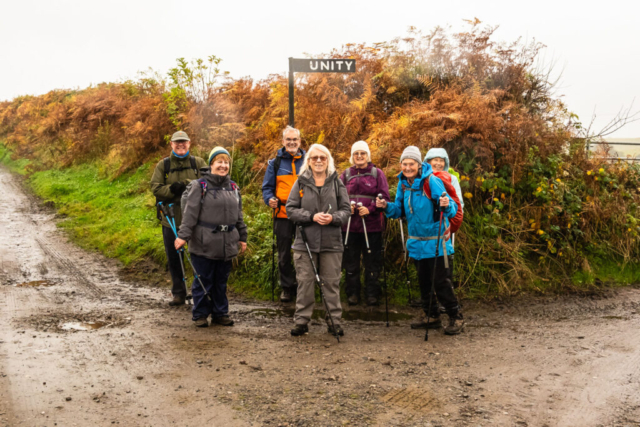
[{"x": 168, "y": 182}]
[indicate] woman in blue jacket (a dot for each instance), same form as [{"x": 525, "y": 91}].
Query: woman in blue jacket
[{"x": 423, "y": 222}]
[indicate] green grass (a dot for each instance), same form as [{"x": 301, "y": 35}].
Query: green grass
[
  {"x": 18, "y": 166},
  {"x": 115, "y": 217}
]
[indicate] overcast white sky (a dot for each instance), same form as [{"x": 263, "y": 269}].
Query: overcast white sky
[{"x": 54, "y": 44}]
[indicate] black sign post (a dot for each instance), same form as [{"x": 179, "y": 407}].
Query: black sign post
[{"x": 316, "y": 66}]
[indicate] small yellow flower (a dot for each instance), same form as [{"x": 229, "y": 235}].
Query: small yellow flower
[
  {"x": 559, "y": 253},
  {"x": 539, "y": 189},
  {"x": 601, "y": 170},
  {"x": 629, "y": 229},
  {"x": 502, "y": 196},
  {"x": 468, "y": 195},
  {"x": 569, "y": 225},
  {"x": 462, "y": 178},
  {"x": 588, "y": 172},
  {"x": 596, "y": 178},
  {"x": 540, "y": 232},
  {"x": 533, "y": 225},
  {"x": 558, "y": 180},
  {"x": 479, "y": 179},
  {"x": 551, "y": 186},
  {"x": 495, "y": 199}
]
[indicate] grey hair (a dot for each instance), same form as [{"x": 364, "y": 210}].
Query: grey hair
[
  {"x": 331, "y": 167},
  {"x": 290, "y": 129}
]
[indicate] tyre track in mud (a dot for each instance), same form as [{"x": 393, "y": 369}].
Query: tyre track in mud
[{"x": 565, "y": 362}]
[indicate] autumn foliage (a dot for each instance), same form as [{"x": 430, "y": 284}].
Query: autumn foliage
[{"x": 538, "y": 205}]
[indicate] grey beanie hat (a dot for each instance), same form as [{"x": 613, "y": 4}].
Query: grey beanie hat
[{"x": 411, "y": 152}]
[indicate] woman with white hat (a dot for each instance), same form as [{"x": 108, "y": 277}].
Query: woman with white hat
[{"x": 364, "y": 183}]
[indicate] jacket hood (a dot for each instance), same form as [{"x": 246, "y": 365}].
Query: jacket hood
[
  {"x": 307, "y": 177},
  {"x": 217, "y": 180},
  {"x": 424, "y": 171},
  {"x": 285, "y": 154},
  {"x": 438, "y": 152}
]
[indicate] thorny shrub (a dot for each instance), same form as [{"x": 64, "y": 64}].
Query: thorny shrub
[{"x": 538, "y": 206}]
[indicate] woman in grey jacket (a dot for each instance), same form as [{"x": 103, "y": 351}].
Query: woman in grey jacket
[
  {"x": 319, "y": 201},
  {"x": 212, "y": 223}
]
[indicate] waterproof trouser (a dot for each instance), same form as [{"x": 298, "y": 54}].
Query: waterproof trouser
[
  {"x": 443, "y": 288},
  {"x": 329, "y": 269},
  {"x": 214, "y": 275},
  {"x": 285, "y": 233},
  {"x": 372, "y": 262},
  {"x": 178, "y": 288}
]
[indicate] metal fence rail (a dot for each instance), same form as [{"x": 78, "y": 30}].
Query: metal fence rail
[{"x": 636, "y": 158}]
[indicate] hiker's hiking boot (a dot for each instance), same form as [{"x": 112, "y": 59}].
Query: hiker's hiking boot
[
  {"x": 299, "y": 330},
  {"x": 455, "y": 326},
  {"x": 337, "y": 331},
  {"x": 421, "y": 323},
  {"x": 353, "y": 300},
  {"x": 222, "y": 320},
  {"x": 177, "y": 301},
  {"x": 286, "y": 295},
  {"x": 201, "y": 322}
]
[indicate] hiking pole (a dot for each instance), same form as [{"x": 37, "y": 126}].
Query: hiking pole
[
  {"x": 433, "y": 275},
  {"x": 186, "y": 254},
  {"x": 273, "y": 253},
  {"x": 384, "y": 270},
  {"x": 318, "y": 281},
  {"x": 346, "y": 238},
  {"x": 168, "y": 213},
  {"x": 406, "y": 265},
  {"x": 364, "y": 226}
]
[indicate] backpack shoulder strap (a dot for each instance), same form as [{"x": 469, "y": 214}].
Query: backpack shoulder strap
[
  {"x": 166, "y": 166},
  {"x": 192, "y": 160},
  {"x": 276, "y": 168},
  {"x": 374, "y": 172},
  {"x": 347, "y": 175}
]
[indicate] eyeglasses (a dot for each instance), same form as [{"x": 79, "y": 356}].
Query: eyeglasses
[
  {"x": 292, "y": 139},
  {"x": 318, "y": 158},
  {"x": 360, "y": 154}
]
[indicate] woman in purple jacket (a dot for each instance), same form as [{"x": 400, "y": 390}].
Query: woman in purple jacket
[{"x": 364, "y": 182}]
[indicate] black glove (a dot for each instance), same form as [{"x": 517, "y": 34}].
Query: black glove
[{"x": 177, "y": 188}]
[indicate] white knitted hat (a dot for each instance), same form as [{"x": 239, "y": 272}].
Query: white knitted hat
[{"x": 360, "y": 146}]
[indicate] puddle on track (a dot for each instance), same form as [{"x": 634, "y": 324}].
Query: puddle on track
[
  {"x": 366, "y": 316},
  {"x": 35, "y": 283},
  {"x": 82, "y": 326}
]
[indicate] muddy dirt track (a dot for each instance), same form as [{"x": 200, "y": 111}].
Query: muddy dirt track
[{"x": 80, "y": 346}]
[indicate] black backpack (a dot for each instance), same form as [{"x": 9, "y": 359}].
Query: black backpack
[{"x": 166, "y": 167}]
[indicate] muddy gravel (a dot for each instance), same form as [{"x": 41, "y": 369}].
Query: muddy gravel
[{"x": 82, "y": 345}]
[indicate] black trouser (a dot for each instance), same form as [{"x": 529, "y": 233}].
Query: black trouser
[
  {"x": 285, "y": 233},
  {"x": 178, "y": 288},
  {"x": 443, "y": 287},
  {"x": 357, "y": 246}
]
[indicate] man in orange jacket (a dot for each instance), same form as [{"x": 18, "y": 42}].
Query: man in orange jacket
[{"x": 282, "y": 172}]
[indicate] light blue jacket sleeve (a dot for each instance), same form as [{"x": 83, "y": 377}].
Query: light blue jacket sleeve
[{"x": 394, "y": 210}]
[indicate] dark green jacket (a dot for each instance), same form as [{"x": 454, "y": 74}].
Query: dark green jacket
[{"x": 160, "y": 185}]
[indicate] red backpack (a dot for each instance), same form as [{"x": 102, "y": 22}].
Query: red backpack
[{"x": 445, "y": 177}]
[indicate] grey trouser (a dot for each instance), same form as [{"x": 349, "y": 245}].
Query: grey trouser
[{"x": 329, "y": 268}]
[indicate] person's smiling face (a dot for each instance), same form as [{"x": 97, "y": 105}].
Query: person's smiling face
[{"x": 409, "y": 168}]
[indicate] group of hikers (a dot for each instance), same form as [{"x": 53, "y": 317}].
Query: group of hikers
[{"x": 322, "y": 222}]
